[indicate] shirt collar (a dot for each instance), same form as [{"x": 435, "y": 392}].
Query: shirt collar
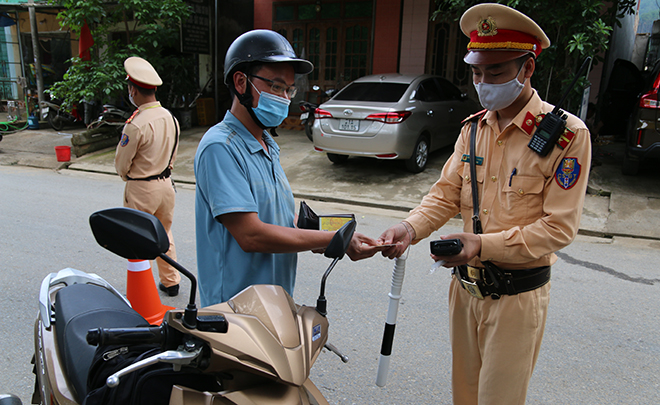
[
  {"x": 146, "y": 106},
  {"x": 533, "y": 108},
  {"x": 252, "y": 144}
]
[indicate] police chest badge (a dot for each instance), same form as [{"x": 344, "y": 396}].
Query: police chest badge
[
  {"x": 124, "y": 140},
  {"x": 568, "y": 173}
]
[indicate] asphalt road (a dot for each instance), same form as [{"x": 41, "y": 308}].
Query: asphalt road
[{"x": 601, "y": 343}]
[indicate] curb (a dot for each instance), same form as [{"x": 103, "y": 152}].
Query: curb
[{"x": 311, "y": 197}]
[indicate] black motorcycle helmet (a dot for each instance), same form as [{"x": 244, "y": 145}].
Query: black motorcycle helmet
[
  {"x": 258, "y": 47},
  {"x": 264, "y": 46}
]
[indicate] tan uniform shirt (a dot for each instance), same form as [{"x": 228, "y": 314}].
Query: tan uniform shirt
[
  {"x": 530, "y": 206},
  {"x": 146, "y": 143}
]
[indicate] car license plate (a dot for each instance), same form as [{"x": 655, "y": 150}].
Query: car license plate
[
  {"x": 304, "y": 116},
  {"x": 349, "y": 125}
]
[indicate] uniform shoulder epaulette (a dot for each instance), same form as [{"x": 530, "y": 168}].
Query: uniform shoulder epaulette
[
  {"x": 137, "y": 110},
  {"x": 565, "y": 138},
  {"x": 480, "y": 113}
]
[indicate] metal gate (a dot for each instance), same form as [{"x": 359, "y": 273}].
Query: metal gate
[{"x": 12, "y": 72}]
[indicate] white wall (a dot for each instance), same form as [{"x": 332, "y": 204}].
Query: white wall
[{"x": 414, "y": 30}]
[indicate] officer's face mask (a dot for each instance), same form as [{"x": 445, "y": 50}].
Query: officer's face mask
[
  {"x": 496, "y": 97},
  {"x": 271, "y": 109},
  {"x": 130, "y": 98}
]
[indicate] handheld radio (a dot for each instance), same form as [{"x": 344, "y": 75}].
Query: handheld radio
[{"x": 553, "y": 124}]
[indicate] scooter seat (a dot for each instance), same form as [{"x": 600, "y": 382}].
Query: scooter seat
[{"x": 78, "y": 308}]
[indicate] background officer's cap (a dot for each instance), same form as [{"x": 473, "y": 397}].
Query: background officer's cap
[
  {"x": 141, "y": 73},
  {"x": 499, "y": 34}
]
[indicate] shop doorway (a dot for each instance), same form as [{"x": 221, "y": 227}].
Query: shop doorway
[{"x": 336, "y": 37}]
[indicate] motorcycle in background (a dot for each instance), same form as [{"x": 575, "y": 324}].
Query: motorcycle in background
[
  {"x": 111, "y": 115},
  {"x": 57, "y": 117},
  {"x": 308, "y": 109},
  {"x": 258, "y": 347}
]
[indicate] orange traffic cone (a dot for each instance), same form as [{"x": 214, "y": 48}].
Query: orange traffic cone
[{"x": 142, "y": 293}]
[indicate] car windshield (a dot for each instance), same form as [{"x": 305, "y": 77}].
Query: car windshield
[{"x": 377, "y": 92}]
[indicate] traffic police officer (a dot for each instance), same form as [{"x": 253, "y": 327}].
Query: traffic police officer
[
  {"x": 145, "y": 155},
  {"x": 528, "y": 205}
]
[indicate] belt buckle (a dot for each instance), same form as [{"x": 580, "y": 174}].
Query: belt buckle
[
  {"x": 472, "y": 288},
  {"x": 474, "y": 273}
]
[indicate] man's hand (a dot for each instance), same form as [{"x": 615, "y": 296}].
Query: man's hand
[
  {"x": 471, "y": 249},
  {"x": 399, "y": 235},
  {"x": 362, "y": 247}
]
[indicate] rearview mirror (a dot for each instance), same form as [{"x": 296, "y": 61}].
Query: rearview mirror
[
  {"x": 340, "y": 242},
  {"x": 129, "y": 233}
]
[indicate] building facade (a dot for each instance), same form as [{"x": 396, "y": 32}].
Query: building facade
[{"x": 347, "y": 39}]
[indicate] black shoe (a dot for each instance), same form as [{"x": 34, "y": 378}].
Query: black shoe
[{"x": 172, "y": 291}]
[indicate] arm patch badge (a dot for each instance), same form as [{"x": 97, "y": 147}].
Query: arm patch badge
[
  {"x": 124, "y": 140},
  {"x": 568, "y": 173}
]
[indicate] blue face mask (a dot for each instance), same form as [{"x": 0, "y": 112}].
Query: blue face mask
[{"x": 271, "y": 109}]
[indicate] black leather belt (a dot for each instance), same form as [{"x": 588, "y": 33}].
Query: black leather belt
[
  {"x": 165, "y": 174},
  {"x": 495, "y": 282}
]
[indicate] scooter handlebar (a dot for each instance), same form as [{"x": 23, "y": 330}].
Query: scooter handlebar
[{"x": 117, "y": 336}]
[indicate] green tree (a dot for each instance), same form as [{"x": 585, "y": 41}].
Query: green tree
[
  {"x": 576, "y": 28},
  {"x": 123, "y": 28}
]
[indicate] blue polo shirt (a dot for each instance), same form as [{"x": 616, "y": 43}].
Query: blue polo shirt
[{"x": 234, "y": 173}]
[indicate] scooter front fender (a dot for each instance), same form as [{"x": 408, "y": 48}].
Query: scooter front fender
[{"x": 269, "y": 394}]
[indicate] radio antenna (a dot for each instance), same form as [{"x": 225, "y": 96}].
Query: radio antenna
[{"x": 570, "y": 88}]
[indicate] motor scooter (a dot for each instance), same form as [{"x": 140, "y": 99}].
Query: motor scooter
[
  {"x": 57, "y": 117},
  {"x": 111, "y": 115},
  {"x": 256, "y": 348},
  {"x": 309, "y": 109}
]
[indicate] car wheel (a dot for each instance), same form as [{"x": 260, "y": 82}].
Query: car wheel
[
  {"x": 420, "y": 157},
  {"x": 308, "y": 127},
  {"x": 630, "y": 165},
  {"x": 337, "y": 159}
]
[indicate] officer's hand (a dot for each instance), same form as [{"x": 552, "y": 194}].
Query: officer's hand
[
  {"x": 398, "y": 235},
  {"x": 471, "y": 248},
  {"x": 361, "y": 247}
]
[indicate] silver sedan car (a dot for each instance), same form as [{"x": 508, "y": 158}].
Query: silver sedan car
[{"x": 391, "y": 116}]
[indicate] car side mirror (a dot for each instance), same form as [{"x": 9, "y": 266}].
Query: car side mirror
[
  {"x": 340, "y": 242},
  {"x": 129, "y": 233}
]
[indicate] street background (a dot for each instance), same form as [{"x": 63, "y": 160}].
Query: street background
[
  {"x": 615, "y": 204},
  {"x": 600, "y": 346}
]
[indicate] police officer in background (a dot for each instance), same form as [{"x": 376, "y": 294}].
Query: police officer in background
[
  {"x": 145, "y": 155},
  {"x": 528, "y": 206}
]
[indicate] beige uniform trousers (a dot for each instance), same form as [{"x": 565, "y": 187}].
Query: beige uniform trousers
[
  {"x": 495, "y": 344},
  {"x": 156, "y": 197}
]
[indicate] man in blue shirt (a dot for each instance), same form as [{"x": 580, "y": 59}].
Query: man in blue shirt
[{"x": 244, "y": 206}]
